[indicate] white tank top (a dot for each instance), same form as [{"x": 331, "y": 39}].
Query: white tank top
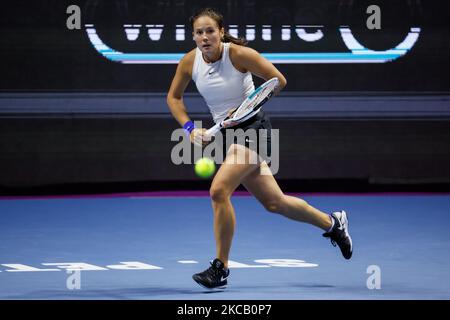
[{"x": 222, "y": 86}]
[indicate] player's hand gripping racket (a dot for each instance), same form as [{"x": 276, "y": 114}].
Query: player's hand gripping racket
[{"x": 249, "y": 107}]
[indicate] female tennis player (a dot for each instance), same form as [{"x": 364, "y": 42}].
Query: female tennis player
[{"x": 222, "y": 67}]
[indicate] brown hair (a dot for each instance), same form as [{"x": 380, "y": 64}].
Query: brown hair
[{"x": 218, "y": 18}]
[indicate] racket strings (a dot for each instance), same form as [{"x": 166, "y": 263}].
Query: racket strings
[{"x": 259, "y": 97}]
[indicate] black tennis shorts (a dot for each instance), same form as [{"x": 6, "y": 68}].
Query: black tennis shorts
[{"x": 254, "y": 134}]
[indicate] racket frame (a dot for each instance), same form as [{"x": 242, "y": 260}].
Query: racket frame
[{"x": 271, "y": 82}]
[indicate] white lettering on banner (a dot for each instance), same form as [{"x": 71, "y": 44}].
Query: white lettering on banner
[
  {"x": 132, "y": 265},
  {"x": 287, "y": 263},
  {"x": 76, "y": 266},
  {"x": 357, "y": 53},
  {"x": 16, "y": 267},
  {"x": 234, "y": 264},
  {"x": 137, "y": 265}
]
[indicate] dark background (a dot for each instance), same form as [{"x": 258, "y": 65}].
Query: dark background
[
  {"x": 39, "y": 54},
  {"x": 73, "y": 122}
]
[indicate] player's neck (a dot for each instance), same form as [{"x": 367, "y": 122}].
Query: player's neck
[{"x": 216, "y": 56}]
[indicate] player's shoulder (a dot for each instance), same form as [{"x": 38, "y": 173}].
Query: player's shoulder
[
  {"x": 189, "y": 57},
  {"x": 242, "y": 52},
  {"x": 242, "y": 57},
  {"x": 187, "y": 61}
]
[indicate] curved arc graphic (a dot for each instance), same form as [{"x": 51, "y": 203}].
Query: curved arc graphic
[{"x": 357, "y": 54}]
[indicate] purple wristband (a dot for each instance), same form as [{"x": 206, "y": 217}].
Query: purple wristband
[{"x": 188, "y": 127}]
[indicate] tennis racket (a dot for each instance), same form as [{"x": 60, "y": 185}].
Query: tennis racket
[{"x": 249, "y": 107}]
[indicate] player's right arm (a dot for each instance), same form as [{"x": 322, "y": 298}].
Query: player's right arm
[
  {"x": 175, "y": 102},
  {"x": 179, "y": 84}
]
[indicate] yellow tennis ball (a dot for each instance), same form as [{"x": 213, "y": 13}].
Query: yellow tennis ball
[{"x": 205, "y": 167}]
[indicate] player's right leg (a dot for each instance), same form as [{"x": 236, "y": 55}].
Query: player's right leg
[{"x": 226, "y": 180}]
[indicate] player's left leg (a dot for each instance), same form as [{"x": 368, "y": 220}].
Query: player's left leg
[{"x": 264, "y": 187}]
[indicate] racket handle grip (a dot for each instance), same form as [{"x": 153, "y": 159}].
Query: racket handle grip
[{"x": 213, "y": 130}]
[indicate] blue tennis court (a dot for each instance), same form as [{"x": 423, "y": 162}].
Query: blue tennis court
[{"x": 148, "y": 245}]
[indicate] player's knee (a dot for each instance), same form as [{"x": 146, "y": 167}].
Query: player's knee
[
  {"x": 280, "y": 205},
  {"x": 274, "y": 205},
  {"x": 219, "y": 193}
]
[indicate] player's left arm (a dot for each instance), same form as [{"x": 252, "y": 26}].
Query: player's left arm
[{"x": 248, "y": 59}]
